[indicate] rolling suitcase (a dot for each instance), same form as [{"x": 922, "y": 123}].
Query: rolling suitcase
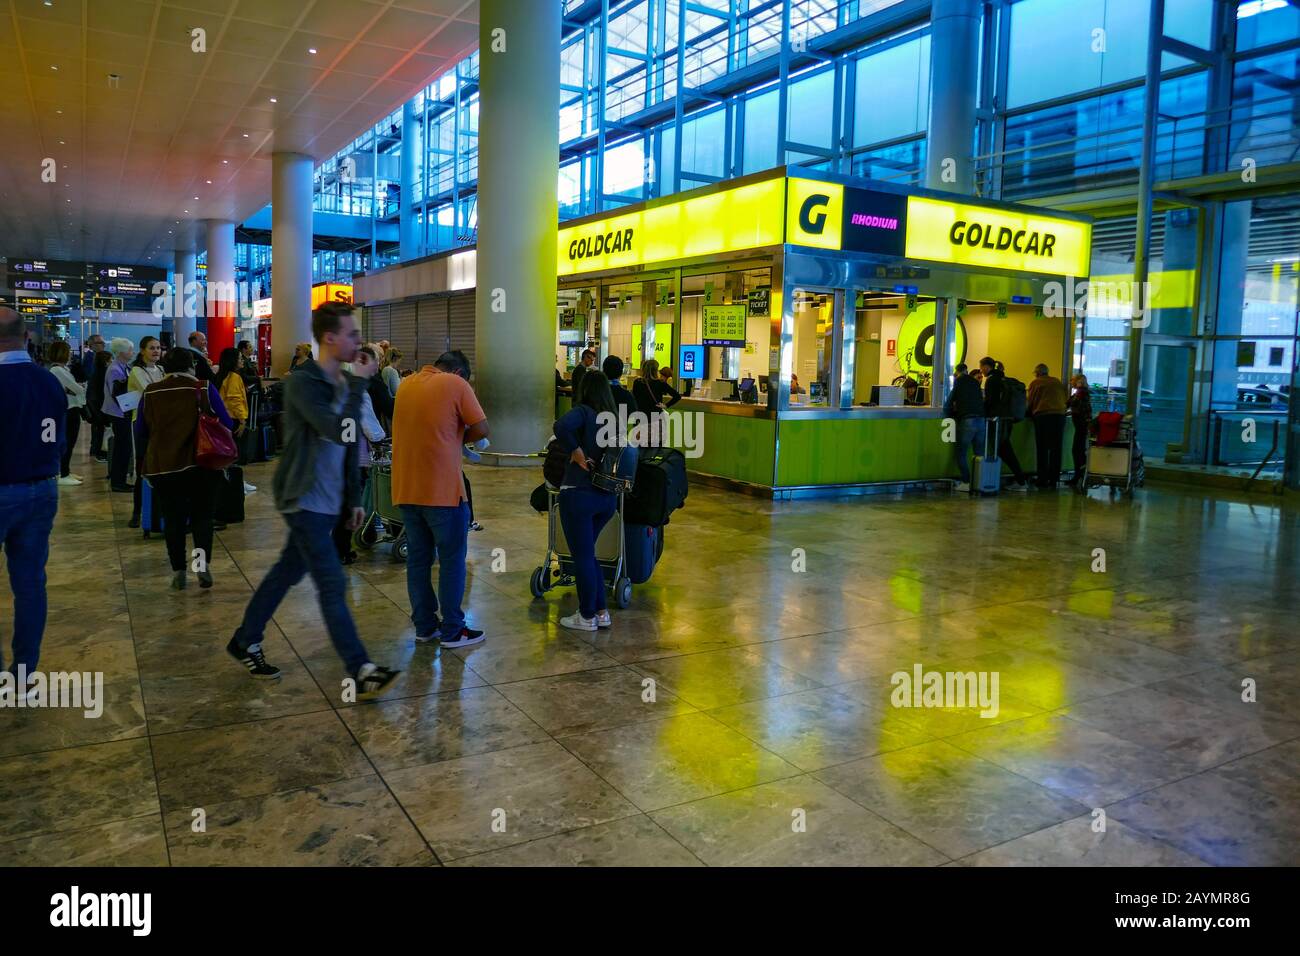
[
  {"x": 644, "y": 544},
  {"x": 986, "y": 470},
  {"x": 230, "y": 499},
  {"x": 660, "y": 487},
  {"x": 151, "y": 521}
]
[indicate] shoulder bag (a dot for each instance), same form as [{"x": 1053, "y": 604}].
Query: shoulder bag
[{"x": 214, "y": 446}]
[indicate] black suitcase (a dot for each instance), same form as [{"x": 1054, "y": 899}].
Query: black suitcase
[
  {"x": 230, "y": 499},
  {"x": 660, "y": 487}
]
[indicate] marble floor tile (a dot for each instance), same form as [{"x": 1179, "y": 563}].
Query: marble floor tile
[
  {"x": 75, "y": 788},
  {"x": 498, "y": 660},
  {"x": 592, "y": 700},
  {"x": 421, "y": 730},
  {"x": 664, "y": 762},
  {"x": 201, "y": 767},
  {"x": 138, "y": 841},
  {"x": 632, "y": 841},
  {"x": 1222, "y": 822},
  {"x": 1276, "y": 771},
  {"x": 794, "y": 822},
  {"x": 489, "y": 801},
  {"x": 352, "y": 822},
  {"x": 1070, "y": 757},
  {"x": 813, "y": 729},
  {"x": 1075, "y": 843},
  {"x": 212, "y": 698},
  {"x": 949, "y": 799},
  {"x": 117, "y": 714},
  {"x": 1201, "y": 735},
  {"x": 719, "y": 678}
]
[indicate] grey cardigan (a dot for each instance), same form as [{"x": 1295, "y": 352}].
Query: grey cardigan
[{"x": 309, "y": 419}]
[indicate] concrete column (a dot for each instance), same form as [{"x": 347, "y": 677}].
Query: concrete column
[
  {"x": 407, "y": 231},
  {"x": 222, "y": 299},
  {"x": 518, "y": 167},
  {"x": 183, "y": 278},
  {"x": 291, "y": 231},
  {"x": 954, "y": 66}
]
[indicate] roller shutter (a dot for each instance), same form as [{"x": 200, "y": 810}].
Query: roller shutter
[
  {"x": 374, "y": 323},
  {"x": 401, "y": 329},
  {"x": 430, "y": 331},
  {"x": 460, "y": 321}
]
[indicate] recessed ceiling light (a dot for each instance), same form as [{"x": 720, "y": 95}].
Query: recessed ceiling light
[
  {"x": 196, "y": 197},
  {"x": 274, "y": 100},
  {"x": 62, "y": 143},
  {"x": 54, "y": 68},
  {"x": 245, "y": 136},
  {"x": 209, "y": 182},
  {"x": 67, "y": 200},
  {"x": 311, "y": 50},
  {"x": 185, "y": 210},
  {"x": 225, "y": 162},
  {"x": 60, "y": 112}
]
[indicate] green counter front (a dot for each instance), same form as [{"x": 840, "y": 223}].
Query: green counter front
[{"x": 820, "y": 448}]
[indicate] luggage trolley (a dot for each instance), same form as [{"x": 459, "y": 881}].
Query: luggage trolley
[
  {"x": 380, "y": 510},
  {"x": 1114, "y": 456},
  {"x": 557, "y": 570}
]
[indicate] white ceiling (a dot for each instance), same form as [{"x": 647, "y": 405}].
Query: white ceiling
[{"x": 131, "y": 159}]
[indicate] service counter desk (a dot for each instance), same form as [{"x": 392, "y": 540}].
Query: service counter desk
[{"x": 804, "y": 452}]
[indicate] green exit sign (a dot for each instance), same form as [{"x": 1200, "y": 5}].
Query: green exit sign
[{"x": 107, "y": 302}]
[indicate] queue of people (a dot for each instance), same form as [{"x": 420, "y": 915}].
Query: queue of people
[{"x": 986, "y": 405}]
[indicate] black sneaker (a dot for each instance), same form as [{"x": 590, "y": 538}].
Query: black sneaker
[
  {"x": 373, "y": 680},
  {"x": 475, "y": 526},
  {"x": 254, "y": 660},
  {"x": 465, "y": 638},
  {"x": 433, "y": 636}
]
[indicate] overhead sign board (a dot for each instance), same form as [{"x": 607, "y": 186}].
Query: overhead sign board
[{"x": 730, "y": 220}]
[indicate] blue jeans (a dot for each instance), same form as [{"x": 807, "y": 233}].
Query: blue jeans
[
  {"x": 444, "y": 530},
  {"x": 970, "y": 441},
  {"x": 26, "y": 519},
  {"x": 583, "y": 513},
  {"x": 309, "y": 550}
]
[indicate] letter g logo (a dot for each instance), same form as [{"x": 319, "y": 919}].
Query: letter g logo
[{"x": 811, "y": 220}]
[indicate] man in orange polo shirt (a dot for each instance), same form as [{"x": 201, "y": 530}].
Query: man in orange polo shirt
[{"x": 435, "y": 414}]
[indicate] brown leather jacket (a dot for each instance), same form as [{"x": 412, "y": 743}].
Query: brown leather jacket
[{"x": 169, "y": 411}]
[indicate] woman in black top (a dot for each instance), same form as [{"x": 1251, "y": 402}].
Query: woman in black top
[
  {"x": 662, "y": 386},
  {"x": 649, "y": 390}
]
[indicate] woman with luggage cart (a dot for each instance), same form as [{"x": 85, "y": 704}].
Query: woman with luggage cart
[
  {"x": 1079, "y": 408},
  {"x": 584, "y": 508}
]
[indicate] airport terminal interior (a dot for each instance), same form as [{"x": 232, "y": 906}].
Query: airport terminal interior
[{"x": 884, "y": 627}]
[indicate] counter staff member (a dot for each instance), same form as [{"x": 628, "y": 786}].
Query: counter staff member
[
  {"x": 579, "y": 370},
  {"x": 1045, "y": 400}
]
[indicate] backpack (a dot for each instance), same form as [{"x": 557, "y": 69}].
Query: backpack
[
  {"x": 616, "y": 470},
  {"x": 1014, "y": 399},
  {"x": 554, "y": 463}
]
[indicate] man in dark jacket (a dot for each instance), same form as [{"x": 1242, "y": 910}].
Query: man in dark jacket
[
  {"x": 318, "y": 480},
  {"x": 966, "y": 405},
  {"x": 579, "y": 370},
  {"x": 997, "y": 411},
  {"x": 613, "y": 369}
]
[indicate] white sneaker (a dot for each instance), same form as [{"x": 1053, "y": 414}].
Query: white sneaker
[
  {"x": 249, "y": 489},
  {"x": 603, "y": 619},
  {"x": 73, "y": 474},
  {"x": 576, "y": 622},
  {"x": 69, "y": 480},
  {"x": 962, "y": 486}
]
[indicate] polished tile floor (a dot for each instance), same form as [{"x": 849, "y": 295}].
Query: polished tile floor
[{"x": 738, "y": 713}]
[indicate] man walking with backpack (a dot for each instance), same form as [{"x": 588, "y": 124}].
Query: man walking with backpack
[
  {"x": 1004, "y": 405},
  {"x": 1046, "y": 405}
]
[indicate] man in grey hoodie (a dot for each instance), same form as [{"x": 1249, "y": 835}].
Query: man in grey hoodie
[{"x": 317, "y": 480}]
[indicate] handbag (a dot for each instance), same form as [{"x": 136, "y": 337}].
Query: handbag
[{"x": 214, "y": 446}]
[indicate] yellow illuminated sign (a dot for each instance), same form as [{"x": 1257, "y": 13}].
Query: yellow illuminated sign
[
  {"x": 814, "y": 213},
  {"x": 1175, "y": 289},
  {"x": 663, "y": 344},
  {"x": 330, "y": 292},
  {"x": 969, "y": 235},
  {"x": 746, "y": 217}
]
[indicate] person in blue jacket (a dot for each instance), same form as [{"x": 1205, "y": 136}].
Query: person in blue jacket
[{"x": 584, "y": 508}]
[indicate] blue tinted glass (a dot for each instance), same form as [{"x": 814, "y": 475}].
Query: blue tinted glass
[{"x": 892, "y": 95}]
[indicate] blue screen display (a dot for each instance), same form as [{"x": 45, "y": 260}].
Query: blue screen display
[{"x": 691, "y": 362}]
